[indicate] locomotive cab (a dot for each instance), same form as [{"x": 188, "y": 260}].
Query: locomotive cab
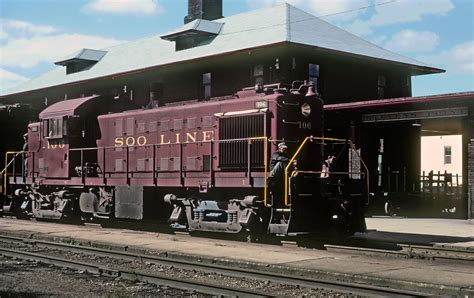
[
  {"x": 67, "y": 125},
  {"x": 69, "y": 132}
]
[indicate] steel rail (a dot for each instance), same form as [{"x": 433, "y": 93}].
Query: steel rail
[
  {"x": 365, "y": 251},
  {"x": 346, "y": 287},
  {"x": 410, "y": 251},
  {"x": 217, "y": 290},
  {"x": 437, "y": 252}
]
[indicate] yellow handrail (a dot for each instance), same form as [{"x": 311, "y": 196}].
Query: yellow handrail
[
  {"x": 4, "y": 172},
  {"x": 288, "y": 167},
  {"x": 265, "y": 165},
  {"x": 287, "y": 204}
]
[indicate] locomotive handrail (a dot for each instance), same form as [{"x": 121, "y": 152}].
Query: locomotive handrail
[
  {"x": 288, "y": 166},
  {"x": 265, "y": 163},
  {"x": 211, "y": 142},
  {"x": 4, "y": 172},
  {"x": 295, "y": 172}
]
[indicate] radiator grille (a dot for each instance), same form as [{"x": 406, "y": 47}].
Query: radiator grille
[{"x": 232, "y": 153}]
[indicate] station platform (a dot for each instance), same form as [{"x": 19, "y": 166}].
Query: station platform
[
  {"x": 422, "y": 231},
  {"x": 455, "y": 277}
]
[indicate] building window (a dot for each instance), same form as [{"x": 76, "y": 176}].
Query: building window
[
  {"x": 313, "y": 75},
  {"x": 206, "y": 83},
  {"x": 258, "y": 74},
  {"x": 381, "y": 87},
  {"x": 447, "y": 155}
]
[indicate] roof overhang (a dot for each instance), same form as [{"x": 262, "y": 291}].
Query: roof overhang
[
  {"x": 446, "y": 98},
  {"x": 419, "y": 69},
  {"x": 415, "y": 69}
]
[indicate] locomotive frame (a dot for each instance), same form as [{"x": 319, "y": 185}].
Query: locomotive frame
[{"x": 205, "y": 170}]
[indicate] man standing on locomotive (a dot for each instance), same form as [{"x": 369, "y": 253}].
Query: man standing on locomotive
[
  {"x": 278, "y": 163},
  {"x": 279, "y": 160},
  {"x": 25, "y": 155}
]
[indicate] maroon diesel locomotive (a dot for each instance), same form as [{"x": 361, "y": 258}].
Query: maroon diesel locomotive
[{"x": 200, "y": 165}]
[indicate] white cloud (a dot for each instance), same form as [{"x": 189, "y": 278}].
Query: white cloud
[
  {"x": 398, "y": 12},
  {"x": 457, "y": 60},
  {"x": 18, "y": 27},
  {"x": 123, "y": 6},
  {"x": 9, "y": 79},
  {"x": 266, "y": 3},
  {"x": 338, "y": 10},
  {"x": 28, "y": 52},
  {"x": 413, "y": 41},
  {"x": 321, "y": 7},
  {"x": 404, "y": 11}
]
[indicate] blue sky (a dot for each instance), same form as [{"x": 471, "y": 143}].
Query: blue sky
[{"x": 35, "y": 33}]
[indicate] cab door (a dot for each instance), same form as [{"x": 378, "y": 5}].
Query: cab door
[
  {"x": 34, "y": 146},
  {"x": 53, "y": 159}
]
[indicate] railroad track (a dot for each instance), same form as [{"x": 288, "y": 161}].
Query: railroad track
[
  {"x": 435, "y": 252},
  {"x": 203, "y": 288},
  {"x": 338, "y": 286},
  {"x": 411, "y": 251}
]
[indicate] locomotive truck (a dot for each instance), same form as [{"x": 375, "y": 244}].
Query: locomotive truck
[{"x": 199, "y": 165}]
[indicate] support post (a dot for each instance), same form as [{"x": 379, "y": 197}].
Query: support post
[
  {"x": 104, "y": 179},
  {"x": 211, "y": 161},
  {"x": 127, "y": 164},
  {"x": 249, "y": 161},
  {"x": 181, "y": 178},
  {"x": 32, "y": 167},
  {"x": 154, "y": 165},
  {"x": 82, "y": 167},
  {"x": 14, "y": 169}
]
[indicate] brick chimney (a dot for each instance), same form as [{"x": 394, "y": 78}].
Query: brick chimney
[{"x": 204, "y": 9}]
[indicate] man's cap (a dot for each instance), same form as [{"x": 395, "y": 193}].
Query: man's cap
[{"x": 282, "y": 145}]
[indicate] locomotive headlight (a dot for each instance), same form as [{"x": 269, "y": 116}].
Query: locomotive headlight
[{"x": 306, "y": 109}]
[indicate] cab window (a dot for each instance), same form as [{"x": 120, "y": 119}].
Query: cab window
[{"x": 56, "y": 128}]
